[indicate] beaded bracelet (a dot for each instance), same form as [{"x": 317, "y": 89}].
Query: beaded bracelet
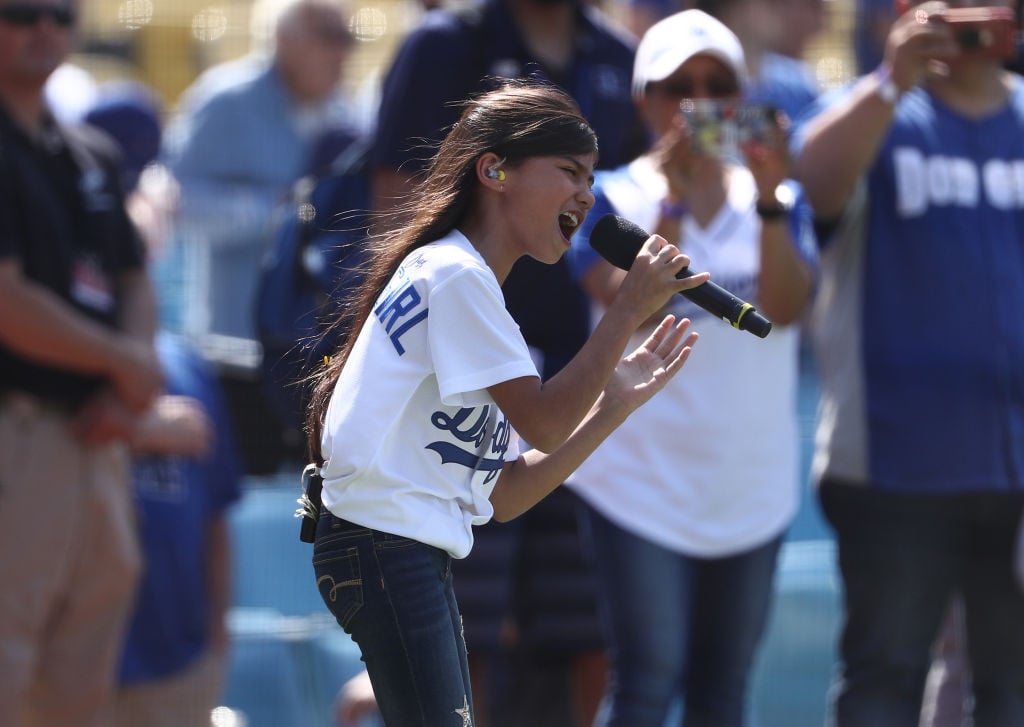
[
  {"x": 673, "y": 210},
  {"x": 886, "y": 88}
]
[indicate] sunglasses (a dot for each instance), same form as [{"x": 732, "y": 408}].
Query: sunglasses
[
  {"x": 713, "y": 86},
  {"x": 26, "y": 15}
]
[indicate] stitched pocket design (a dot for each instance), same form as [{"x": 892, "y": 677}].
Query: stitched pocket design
[{"x": 340, "y": 583}]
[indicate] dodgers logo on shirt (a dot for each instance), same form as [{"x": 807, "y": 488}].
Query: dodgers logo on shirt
[
  {"x": 475, "y": 432},
  {"x": 924, "y": 180}
]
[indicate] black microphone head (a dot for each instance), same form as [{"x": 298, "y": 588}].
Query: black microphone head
[
  {"x": 618, "y": 240},
  {"x": 755, "y": 323}
]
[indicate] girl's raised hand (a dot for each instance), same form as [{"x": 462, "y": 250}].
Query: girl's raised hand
[{"x": 645, "y": 371}]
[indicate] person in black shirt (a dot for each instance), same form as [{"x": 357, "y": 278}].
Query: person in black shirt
[{"x": 77, "y": 366}]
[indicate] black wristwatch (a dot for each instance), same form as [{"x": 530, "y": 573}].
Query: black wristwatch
[
  {"x": 772, "y": 211},
  {"x": 778, "y": 206}
]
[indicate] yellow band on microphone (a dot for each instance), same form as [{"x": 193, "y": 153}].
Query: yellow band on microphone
[{"x": 743, "y": 311}]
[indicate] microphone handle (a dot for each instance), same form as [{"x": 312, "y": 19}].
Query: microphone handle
[{"x": 723, "y": 304}]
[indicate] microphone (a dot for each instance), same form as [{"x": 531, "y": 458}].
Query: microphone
[{"x": 618, "y": 241}]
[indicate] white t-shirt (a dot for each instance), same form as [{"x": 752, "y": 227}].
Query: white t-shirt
[
  {"x": 413, "y": 443},
  {"x": 709, "y": 466}
]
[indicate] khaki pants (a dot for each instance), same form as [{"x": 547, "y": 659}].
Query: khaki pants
[{"x": 69, "y": 563}]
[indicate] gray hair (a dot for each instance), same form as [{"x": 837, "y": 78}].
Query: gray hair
[{"x": 268, "y": 17}]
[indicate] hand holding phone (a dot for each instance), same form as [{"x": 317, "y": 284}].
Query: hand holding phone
[{"x": 722, "y": 127}]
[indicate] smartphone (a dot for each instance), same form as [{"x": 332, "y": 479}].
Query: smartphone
[
  {"x": 721, "y": 127},
  {"x": 987, "y": 32}
]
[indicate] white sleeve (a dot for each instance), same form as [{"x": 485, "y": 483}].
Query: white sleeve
[{"x": 474, "y": 342}]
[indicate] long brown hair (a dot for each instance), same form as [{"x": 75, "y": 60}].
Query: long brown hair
[{"x": 518, "y": 120}]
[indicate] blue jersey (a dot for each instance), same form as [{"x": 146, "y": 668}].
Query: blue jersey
[
  {"x": 177, "y": 497},
  {"x": 917, "y": 324}
]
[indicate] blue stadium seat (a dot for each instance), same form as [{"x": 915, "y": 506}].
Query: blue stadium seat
[
  {"x": 289, "y": 657},
  {"x": 333, "y": 660},
  {"x": 273, "y": 568},
  {"x": 285, "y": 671},
  {"x": 266, "y": 678}
]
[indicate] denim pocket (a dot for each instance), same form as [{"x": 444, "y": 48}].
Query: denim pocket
[{"x": 340, "y": 582}]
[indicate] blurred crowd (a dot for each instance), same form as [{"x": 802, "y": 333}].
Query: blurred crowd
[{"x": 168, "y": 267}]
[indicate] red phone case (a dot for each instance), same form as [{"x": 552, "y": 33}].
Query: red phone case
[{"x": 989, "y": 32}]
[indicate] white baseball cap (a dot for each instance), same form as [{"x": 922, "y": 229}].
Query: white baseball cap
[{"x": 672, "y": 41}]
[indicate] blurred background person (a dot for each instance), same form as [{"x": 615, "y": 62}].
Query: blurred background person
[
  {"x": 805, "y": 21},
  {"x": 919, "y": 459},
  {"x": 242, "y": 134},
  {"x": 453, "y": 54},
  {"x": 132, "y": 114},
  {"x": 77, "y": 368},
  {"x": 774, "y": 35},
  {"x": 185, "y": 472},
  {"x": 685, "y": 532},
  {"x": 872, "y": 20},
  {"x": 314, "y": 261},
  {"x": 639, "y": 15}
]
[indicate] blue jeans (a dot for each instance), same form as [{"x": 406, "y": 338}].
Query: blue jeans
[
  {"x": 679, "y": 626},
  {"x": 902, "y": 557},
  {"x": 394, "y": 597}
]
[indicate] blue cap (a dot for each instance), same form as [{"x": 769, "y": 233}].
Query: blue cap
[{"x": 130, "y": 113}]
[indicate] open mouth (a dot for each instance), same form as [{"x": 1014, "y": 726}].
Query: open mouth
[{"x": 568, "y": 222}]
